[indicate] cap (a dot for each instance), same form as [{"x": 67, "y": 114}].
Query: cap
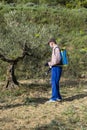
[{"x": 52, "y": 40}]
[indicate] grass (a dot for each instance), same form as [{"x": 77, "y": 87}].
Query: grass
[{"x": 25, "y": 108}]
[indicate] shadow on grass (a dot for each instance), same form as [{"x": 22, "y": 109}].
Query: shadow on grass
[
  {"x": 55, "y": 125},
  {"x": 36, "y": 86},
  {"x": 45, "y": 86},
  {"x": 73, "y": 83},
  {"x": 28, "y": 101},
  {"x": 35, "y": 101},
  {"x": 10, "y": 106},
  {"x": 78, "y": 96}
]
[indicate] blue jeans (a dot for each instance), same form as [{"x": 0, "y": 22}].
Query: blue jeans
[{"x": 55, "y": 78}]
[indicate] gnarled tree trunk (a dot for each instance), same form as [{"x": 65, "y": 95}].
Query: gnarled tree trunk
[{"x": 11, "y": 78}]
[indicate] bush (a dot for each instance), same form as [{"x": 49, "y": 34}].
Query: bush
[{"x": 84, "y": 3}]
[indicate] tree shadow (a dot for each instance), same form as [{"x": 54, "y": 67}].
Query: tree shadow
[
  {"x": 78, "y": 96},
  {"x": 28, "y": 101},
  {"x": 10, "y": 106},
  {"x": 46, "y": 86},
  {"x": 36, "y": 86},
  {"x": 73, "y": 82},
  {"x": 36, "y": 101},
  {"x": 55, "y": 124}
]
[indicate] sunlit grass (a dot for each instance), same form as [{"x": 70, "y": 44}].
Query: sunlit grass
[{"x": 25, "y": 108}]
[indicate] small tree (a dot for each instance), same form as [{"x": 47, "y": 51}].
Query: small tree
[{"x": 11, "y": 78}]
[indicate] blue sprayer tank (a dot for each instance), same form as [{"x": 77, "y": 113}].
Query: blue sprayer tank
[{"x": 64, "y": 57}]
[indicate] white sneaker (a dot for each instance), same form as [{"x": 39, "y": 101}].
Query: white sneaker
[
  {"x": 51, "y": 101},
  {"x": 59, "y": 100}
]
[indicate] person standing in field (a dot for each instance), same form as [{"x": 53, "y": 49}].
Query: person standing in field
[{"x": 56, "y": 70}]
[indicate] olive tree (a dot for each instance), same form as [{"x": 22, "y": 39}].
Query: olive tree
[{"x": 19, "y": 40}]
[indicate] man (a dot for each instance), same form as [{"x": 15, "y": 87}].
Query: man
[{"x": 56, "y": 70}]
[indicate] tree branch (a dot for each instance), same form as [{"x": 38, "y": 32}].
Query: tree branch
[{"x": 2, "y": 56}]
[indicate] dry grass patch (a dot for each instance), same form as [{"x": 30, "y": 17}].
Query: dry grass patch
[{"x": 26, "y": 108}]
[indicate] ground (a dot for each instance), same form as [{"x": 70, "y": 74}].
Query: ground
[{"x": 25, "y": 108}]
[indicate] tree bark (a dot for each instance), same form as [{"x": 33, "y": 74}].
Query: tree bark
[{"x": 11, "y": 78}]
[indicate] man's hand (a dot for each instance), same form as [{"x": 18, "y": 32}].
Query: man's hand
[{"x": 46, "y": 64}]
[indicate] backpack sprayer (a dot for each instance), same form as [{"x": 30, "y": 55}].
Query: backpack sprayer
[{"x": 64, "y": 59}]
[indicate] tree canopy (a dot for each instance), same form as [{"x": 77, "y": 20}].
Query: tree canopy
[{"x": 34, "y": 26}]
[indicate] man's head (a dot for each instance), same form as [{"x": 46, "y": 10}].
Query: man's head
[{"x": 52, "y": 42}]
